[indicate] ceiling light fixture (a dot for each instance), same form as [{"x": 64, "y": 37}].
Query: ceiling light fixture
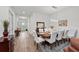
[
  {"x": 23, "y": 24},
  {"x": 22, "y": 17},
  {"x": 55, "y": 7}
]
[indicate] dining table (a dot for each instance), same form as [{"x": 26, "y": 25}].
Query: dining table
[{"x": 45, "y": 34}]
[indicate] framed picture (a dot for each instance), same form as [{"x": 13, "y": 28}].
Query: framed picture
[
  {"x": 62, "y": 22},
  {"x": 40, "y": 24}
]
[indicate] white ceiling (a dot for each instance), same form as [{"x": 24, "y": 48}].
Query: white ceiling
[{"x": 28, "y": 10}]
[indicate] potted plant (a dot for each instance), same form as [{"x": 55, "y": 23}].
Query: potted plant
[{"x": 5, "y": 25}]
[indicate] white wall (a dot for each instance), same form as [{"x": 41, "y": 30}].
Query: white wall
[
  {"x": 4, "y": 12},
  {"x": 37, "y": 17},
  {"x": 71, "y": 14},
  {"x": 3, "y": 16}
]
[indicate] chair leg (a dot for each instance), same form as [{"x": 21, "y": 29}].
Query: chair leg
[
  {"x": 63, "y": 40},
  {"x": 58, "y": 43},
  {"x": 66, "y": 40},
  {"x": 54, "y": 44},
  {"x": 37, "y": 46},
  {"x": 51, "y": 46},
  {"x": 43, "y": 43},
  {"x": 69, "y": 39}
]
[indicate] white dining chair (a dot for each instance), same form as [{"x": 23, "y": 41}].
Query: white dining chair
[
  {"x": 65, "y": 33},
  {"x": 65, "y": 36},
  {"x": 37, "y": 39},
  {"x": 60, "y": 36},
  {"x": 52, "y": 39},
  {"x": 72, "y": 33}
]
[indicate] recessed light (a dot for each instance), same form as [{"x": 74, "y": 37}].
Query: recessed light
[{"x": 23, "y": 12}]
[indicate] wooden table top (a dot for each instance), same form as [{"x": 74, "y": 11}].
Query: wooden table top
[{"x": 45, "y": 34}]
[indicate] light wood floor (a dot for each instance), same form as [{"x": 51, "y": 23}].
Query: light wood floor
[{"x": 24, "y": 43}]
